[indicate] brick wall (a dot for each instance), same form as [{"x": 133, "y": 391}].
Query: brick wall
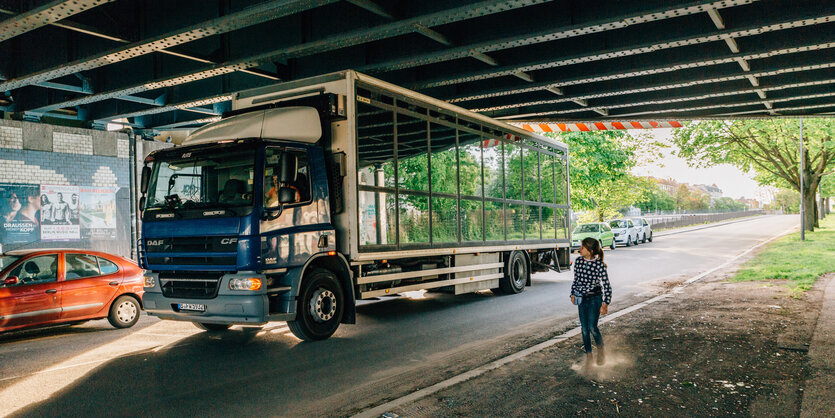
[{"x": 34, "y": 153}]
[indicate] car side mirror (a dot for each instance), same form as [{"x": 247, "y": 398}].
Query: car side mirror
[{"x": 11, "y": 281}]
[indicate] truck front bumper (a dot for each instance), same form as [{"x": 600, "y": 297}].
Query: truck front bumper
[{"x": 224, "y": 309}]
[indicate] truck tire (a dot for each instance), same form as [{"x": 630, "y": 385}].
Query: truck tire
[
  {"x": 515, "y": 273},
  {"x": 124, "y": 312},
  {"x": 319, "y": 306},
  {"x": 205, "y": 326}
]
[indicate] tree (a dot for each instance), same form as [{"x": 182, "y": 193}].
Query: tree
[
  {"x": 599, "y": 165},
  {"x": 727, "y": 204},
  {"x": 787, "y": 200},
  {"x": 656, "y": 198},
  {"x": 768, "y": 147}
]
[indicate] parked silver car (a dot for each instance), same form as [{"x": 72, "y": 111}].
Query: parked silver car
[
  {"x": 644, "y": 229},
  {"x": 625, "y": 231}
]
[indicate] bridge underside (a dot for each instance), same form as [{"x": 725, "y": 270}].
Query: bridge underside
[{"x": 166, "y": 65}]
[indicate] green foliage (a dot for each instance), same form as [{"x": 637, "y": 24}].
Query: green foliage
[
  {"x": 655, "y": 198},
  {"x": 787, "y": 200},
  {"x": 600, "y": 165},
  {"x": 789, "y": 258},
  {"x": 727, "y": 204},
  {"x": 769, "y": 147}
]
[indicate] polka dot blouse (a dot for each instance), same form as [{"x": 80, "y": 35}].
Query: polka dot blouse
[{"x": 591, "y": 273}]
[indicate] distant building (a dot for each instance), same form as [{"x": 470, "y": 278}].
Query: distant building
[
  {"x": 750, "y": 203},
  {"x": 668, "y": 185},
  {"x": 712, "y": 190}
]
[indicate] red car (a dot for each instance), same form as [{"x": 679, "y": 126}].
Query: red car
[{"x": 53, "y": 286}]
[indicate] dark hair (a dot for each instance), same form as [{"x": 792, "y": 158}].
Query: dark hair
[{"x": 593, "y": 245}]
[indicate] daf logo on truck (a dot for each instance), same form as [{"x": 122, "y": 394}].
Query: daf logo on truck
[{"x": 272, "y": 174}]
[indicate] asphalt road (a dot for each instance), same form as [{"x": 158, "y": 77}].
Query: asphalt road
[{"x": 399, "y": 344}]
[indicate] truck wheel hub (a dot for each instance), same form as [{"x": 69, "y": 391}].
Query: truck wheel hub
[{"x": 322, "y": 305}]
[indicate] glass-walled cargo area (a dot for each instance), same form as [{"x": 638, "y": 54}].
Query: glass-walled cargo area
[{"x": 429, "y": 178}]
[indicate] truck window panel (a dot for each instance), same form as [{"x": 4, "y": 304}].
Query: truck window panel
[
  {"x": 472, "y": 222},
  {"x": 412, "y": 161},
  {"x": 549, "y": 226},
  {"x": 547, "y": 178},
  {"x": 493, "y": 221},
  {"x": 444, "y": 219},
  {"x": 469, "y": 160},
  {"x": 493, "y": 168},
  {"x": 530, "y": 163},
  {"x": 272, "y": 179},
  {"x": 377, "y": 218},
  {"x": 375, "y": 146},
  {"x": 444, "y": 161},
  {"x": 532, "y": 223},
  {"x": 414, "y": 219},
  {"x": 513, "y": 172},
  {"x": 515, "y": 218},
  {"x": 562, "y": 181}
]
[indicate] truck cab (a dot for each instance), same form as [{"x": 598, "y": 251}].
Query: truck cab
[{"x": 233, "y": 217}]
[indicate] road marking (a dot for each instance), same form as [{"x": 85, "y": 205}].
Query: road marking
[{"x": 422, "y": 393}]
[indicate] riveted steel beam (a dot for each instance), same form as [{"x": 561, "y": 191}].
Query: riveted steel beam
[
  {"x": 793, "y": 47},
  {"x": 44, "y": 15},
  {"x": 643, "y": 48},
  {"x": 337, "y": 41},
  {"x": 620, "y": 19},
  {"x": 685, "y": 98},
  {"x": 259, "y": 13},
  {"x": 725, "y": 105},
  {"x": 700, "y": 82}
]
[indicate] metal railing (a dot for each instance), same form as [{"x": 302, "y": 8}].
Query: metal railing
[{"x": 686, "y": 219}]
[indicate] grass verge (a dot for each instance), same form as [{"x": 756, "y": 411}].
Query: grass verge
[{"x": 799, "y": 262}]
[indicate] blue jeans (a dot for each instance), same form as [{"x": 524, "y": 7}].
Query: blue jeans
[{"x": 589, "y": 314}]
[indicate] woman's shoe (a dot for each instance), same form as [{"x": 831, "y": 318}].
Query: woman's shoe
[
  {"x": 589, "y": 360},
  {"x": 601, "y": 355}
]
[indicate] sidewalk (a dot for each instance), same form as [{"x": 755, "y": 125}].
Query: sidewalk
[
  {"x": 717, "y": 348},
  {"x": 819, "y": 396}
]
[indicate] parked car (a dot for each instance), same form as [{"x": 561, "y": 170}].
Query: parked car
[
  {"x": 625, "y": 231},
  {"x": 644, "y": 229},
  {"x": 597, "y": 230},
  {"x": 53, "y": 286}
]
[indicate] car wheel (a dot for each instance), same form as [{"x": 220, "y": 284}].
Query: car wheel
[
  {"x": 628, "y": 240},
  {"x": 612, "y": 246},
  {"x": 319, "y": 307},
  {"x": 205, "y": 326},
  {"x": 650, "y": 237},
  {"x": 515, "y": 274},
  {"x": 124, "y": 312},
  {"x": 644, "y": 241}
]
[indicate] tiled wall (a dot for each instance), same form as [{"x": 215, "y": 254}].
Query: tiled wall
[{"x": 35, "y": 153}]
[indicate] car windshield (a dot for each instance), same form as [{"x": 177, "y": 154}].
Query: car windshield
[
  {"x": 202, "y": 180},
  {"x": 618, "y": 224},
  {"x": 587, "y": 228},
  {"x": 638, "y": 222},
  {"x": 7, "y": 260}
]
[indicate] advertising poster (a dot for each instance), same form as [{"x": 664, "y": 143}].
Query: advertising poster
[
  {"x": 98, "y": 213},
  {"x": 59, "y": 213},
  {"x": 20, "y": 211}
]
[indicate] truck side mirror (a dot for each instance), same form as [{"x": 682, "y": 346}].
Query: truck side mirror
[
  {"x": 286, "y": 195},
  {"x": 146, "y": 175},
  {"x": 11, "y": 281}
]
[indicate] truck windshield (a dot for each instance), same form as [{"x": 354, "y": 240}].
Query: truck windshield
[{"x": 200, "y": 180}]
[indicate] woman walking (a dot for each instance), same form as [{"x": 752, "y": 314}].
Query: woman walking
[{"x": 591, "y": 292}]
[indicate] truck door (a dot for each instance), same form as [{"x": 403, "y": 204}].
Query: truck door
[{"x": 290, "y": 230}]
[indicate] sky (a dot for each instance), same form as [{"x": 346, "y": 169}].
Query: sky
[{"x": 733, "y": 182}]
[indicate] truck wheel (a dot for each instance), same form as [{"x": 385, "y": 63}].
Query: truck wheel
[
  {"x": 205, "y": 326},
  {"x": 319, "y": 307},
  {"x": 124, "y": 312},
  {"x": 515, "y": 273}
]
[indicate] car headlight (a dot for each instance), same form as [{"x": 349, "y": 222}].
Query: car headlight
[
  {"x": 245, "y": 284},
  {"x": 150, "y": 281}
]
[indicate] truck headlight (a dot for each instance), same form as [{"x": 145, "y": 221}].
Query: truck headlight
[
  {"x": 150, "y": 281},
  {"x": 245, "y": 284}
]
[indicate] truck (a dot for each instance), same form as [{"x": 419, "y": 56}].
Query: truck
[{"x": 312, "y": 194}]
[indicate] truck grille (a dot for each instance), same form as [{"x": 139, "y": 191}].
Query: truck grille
[
  {"x": 192, "y": 251},
  {"x": 191, "y": 244},
  {"x": 203, "y": 286}
]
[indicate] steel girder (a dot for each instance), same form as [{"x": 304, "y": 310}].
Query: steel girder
[
  {"x": 249, "y": 16},
  {"x": 329, "y": 43},
  {"x": 44, "y": 15},
  {"x": 561, "y": 59}
]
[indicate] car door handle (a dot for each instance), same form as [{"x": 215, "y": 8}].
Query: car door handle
[
  {"x": 52, "y": 291},
  {"x": 114, "y": 283}
]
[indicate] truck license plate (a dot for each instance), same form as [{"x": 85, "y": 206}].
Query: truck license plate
[{"x": 192, "y": 307}]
